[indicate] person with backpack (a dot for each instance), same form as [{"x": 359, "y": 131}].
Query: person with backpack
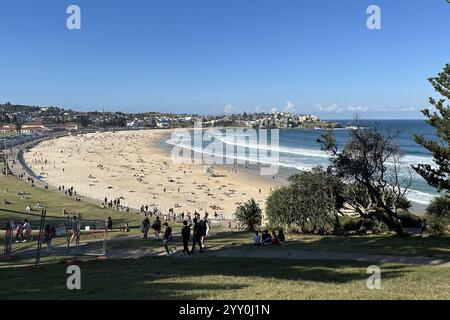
[
  {"x": 167, "y": 237},
  {"x": 197, "y": 236},
  {"x": 157, "y": 228},
  {"x": 185, "y": 235},
  {"x": 145, "y": 226}
]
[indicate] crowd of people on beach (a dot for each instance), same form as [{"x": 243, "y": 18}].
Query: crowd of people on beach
[{"x": 115, "y": 204}]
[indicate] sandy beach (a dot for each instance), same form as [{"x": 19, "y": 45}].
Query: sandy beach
[{"x": 136, "y": 167}]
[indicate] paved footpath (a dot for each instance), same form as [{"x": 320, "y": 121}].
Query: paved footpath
[{"x": 246, "y": 251}]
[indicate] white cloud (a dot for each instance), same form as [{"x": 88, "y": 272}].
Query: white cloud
[
  {"x": 273, "y": 110},
  {"x": 358, "y": 108},
  {"x": 290, "y": 107},
  {"x": 382, "y": 110},
  {"x": 332, "y": 108},
  {"x": 407, "y": 109}
]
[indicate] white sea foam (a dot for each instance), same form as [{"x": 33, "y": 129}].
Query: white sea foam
[{"x": 300, "y": 162}]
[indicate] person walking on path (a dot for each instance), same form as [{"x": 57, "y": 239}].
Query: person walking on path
[
  {"x": 157, "y": 228},
  {"x": 145, "y": 226},
  {"x": 197, "y": 236},
  {"x": 167, "y": 238},
  {"x": 75, "y": 231},
  {"x": 185, "y": 235},
  {"x": 49, "y": 234},
  {"x": 26, "y": 231},
  {"x": 109, "y": 224}
]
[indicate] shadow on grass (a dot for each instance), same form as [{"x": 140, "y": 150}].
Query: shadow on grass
[
  {"x": 188, "y": 278},
  {"x": 425, "y": 246},
  {"x": 385, "y": 245}
]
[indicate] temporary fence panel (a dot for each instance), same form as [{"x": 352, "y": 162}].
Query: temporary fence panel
[{"x": 89, "y": 237}]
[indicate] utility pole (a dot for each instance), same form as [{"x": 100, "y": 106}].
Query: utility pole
[{"x": 5, "y": 153}]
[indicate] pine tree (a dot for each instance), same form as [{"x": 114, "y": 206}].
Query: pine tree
[{"x": 438, "y": 176}]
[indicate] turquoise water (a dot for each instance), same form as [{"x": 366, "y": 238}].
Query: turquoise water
[{"x": 299, "y": 150}]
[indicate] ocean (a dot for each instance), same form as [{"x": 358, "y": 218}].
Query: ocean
[{"x": 298, "y": 150}]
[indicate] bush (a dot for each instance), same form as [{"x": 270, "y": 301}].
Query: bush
[
  {"x": 249, "y": 215},
  {"x": 409, "y": 220},
  {"x": 438, "y": 215},
  {"x": 380, "y": 227},
  {"x": 437, "y": 226},
  {"x": 349, "y": 224},
  {"x": 308, "y": 203}
]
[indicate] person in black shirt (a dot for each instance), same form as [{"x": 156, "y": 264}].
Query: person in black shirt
[
  {"x": 197, "y": 236},
  {"x": 281, "y": 237},
  {"x": 145, "y": 226},
  {"x": 266, "y": 238},
  {"x": 109, "y": 224},
  {"x": 167, "y": 237},
  {"x": 185, "y": 235}
]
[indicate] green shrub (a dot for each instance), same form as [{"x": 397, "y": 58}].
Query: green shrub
[
  {"x": 409, "y": 220},
  {"x": 349, "y": 224},
  {"x": 308, "y": 203},
  {"x": 249, "y": 215},
  {"x": 437, "y": 225},
  {"x": 438, "y": 215},
  {"x": 380, "y": 227}
]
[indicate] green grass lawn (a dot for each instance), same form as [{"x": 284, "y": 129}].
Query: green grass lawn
[
  {"x": 210, "y": 277},
  {"x": 54, "y": 202},
  {"x": 225, "y": 278},
  {"x": 372, "y": 244}
]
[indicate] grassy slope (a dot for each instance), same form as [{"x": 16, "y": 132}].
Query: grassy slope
[
  {"x": 226, "y": 278},
  {"x": 55, "y": 202}
]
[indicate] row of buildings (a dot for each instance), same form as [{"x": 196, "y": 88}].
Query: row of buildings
[
  {"x": 26, "y": 119},
  {"x": 36, "y": 126}
]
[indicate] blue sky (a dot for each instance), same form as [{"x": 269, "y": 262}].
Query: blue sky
[{"x": 211, "y": 56}]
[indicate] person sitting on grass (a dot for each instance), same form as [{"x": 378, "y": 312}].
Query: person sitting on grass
[
  {"x": 266, "y": 238},
  {"x": 167, "y": 237},
  {"x": 275, "y": 238},
  {"x": 256, "y": 239},
  {"x": 126, "y": 228},
  {"x": 281, "y": 237}
]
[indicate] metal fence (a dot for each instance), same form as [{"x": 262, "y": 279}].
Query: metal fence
[{"x": 35, "y": 235}]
